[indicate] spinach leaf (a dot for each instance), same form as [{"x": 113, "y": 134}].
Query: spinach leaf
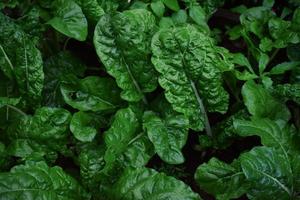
[
  {"x": 122, "y": 43},
  {"x": 179, "y": 55}
]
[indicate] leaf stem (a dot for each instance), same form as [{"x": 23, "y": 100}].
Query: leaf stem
[
  {"x": 17, "y": 110},
  {"x": 273, "y": 56},
  {"x": 202, "y": 107},
  {"x": 6, "y": 57},
  {"x": 135, "y": 138}
]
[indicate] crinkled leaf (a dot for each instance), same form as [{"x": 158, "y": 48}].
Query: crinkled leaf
[
  {"x": 168, "y": 135},
  {"x": 21, "y": 60},
  {"x": 91, "y": 93},
  {"x": 122, "y": 42},
  {"x": 48, "y": 127},
  {"x": 69, "y": 19},
  {"x": 222, "y": 180},
  {"x": 125, "y": 142},
  {"x": 92, "y": 10},
  {"x": 191, "y": 79},
  {"x": 288, "y": 92},
  {"x": 91, "y": 162},
  {"x": 37, "y": 181},
  {"x": 143, "y": 183}
]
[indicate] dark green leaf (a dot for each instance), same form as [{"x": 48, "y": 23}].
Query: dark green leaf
[
  {"x": 221, "y": 179},
  {"x": 91, "y": 93},
  {"x": 84, "y": 126},
  {"x": 125, "y": 141},
  {"x": 122, "y": 43},
  {"x": 269, "y": 172},
  {"x": 37, "y": 181},
  {"x": 143, "y": 183},
  {"x": 57, "y": 68},
  {"x": 192, "y": 81},
  {"x": 168, "y": 135},
  {"x": 172, "y": 4},
  {"x": 261, "y": 104}
]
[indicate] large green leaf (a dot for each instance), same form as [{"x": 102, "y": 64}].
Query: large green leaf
[
  {"x": 283, "y": 147},
  {"x": 223, "y": 180},
  {"x": 69, "y": 19},
  {"x": 268, "y": 170},
  {"x": 37, "y": 181},
  {"x": 260, "y": 103},
  {"x": 21, "y": 60},
  {"x": 143, "y": 183},
  {"x": 122, "y": 42},
  {"x": 271, "y": 134},
  {"x": 46, "y": 131},
  {"x": 92, "y": 93},
  {"x": 125, "y": 141},
  {"x": 168, "y": 135},
  {"x": 190, "y": 69}
]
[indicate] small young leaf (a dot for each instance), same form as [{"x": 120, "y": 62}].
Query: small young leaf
[
  {"x": 158, "y": 8},
  {"x": 172, "y": 4}
]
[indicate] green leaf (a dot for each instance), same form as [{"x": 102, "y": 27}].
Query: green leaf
[
  {"x": 255, "y": 20},
  {"x": 288, "y": 92},
  {"x": 37, "y": 181},
  {"x": 269, "y": 172},
  {"x": 125, "y": 141},
  {"x": 268, "y": 3},
  {"x": 48, "y": 127},
  {"x": 261, "y": 104},
  {"x": 22, "y": 61},
  {"x": 222, "y": 180},
  {"x": 84, "y": 126},
  {"x": 158, "y": 8},
  {"x": 166, "y": 22},
  {"x": 198, "y": 15},
  {"x": 292, "y": 52},
  {"x": 263, "y": 62},
  {"x": 69, "y": 19},
  {"x": 270, "y": 133},
  {"x": 192, "y": 81},
  {"x": 168, "y": 135},
  {"x": 143, "y": 183},
  {"x": 91, "y": 9},
  {"x": 180, "y": 17},
  {"x": 4, "y": 101},
  {"x": 122, "y": 42},
  {"x": 172, "y": 4},
  {"x": 91, "y": 93},
  {"x": 283, "y": 67},
  {"x": 56, "y": 69},
  {"x": 91, "y": 162}
]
